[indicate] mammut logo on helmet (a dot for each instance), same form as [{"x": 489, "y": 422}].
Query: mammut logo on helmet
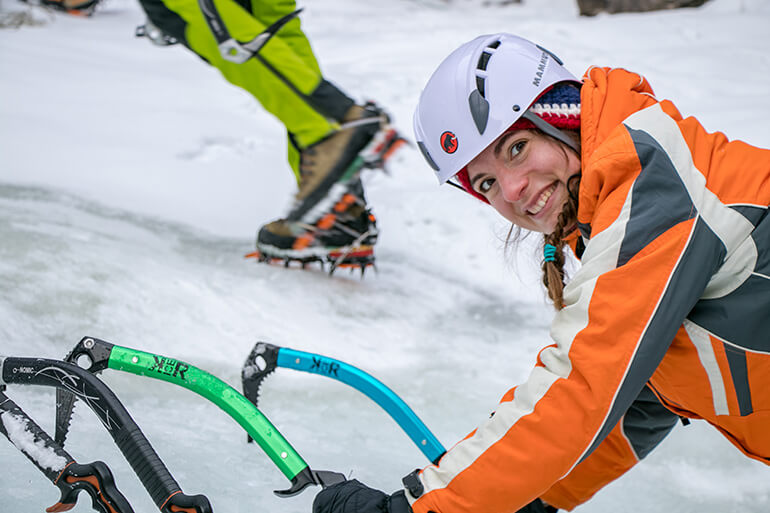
[
  {"x": 449, "y": 142},
  {"x": 540, "y": 70}
]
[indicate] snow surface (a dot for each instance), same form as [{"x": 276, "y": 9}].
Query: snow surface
[
  {"x": 25, "y": 441},
  {"x": 133, "y": 179}
]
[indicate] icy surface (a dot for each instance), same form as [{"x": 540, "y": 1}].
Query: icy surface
[
  {"x": 133, "y": 179},
  {"x": 25, "y": 441}
]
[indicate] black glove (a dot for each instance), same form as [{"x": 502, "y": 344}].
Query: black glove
[
  {"x": 355, "y": 497},
  {"x": 537, "y": 506}
]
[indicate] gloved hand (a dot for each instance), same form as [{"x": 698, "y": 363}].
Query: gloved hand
[
  {"x": 355, "y": 497},
  {"x": 537, "y": 506}
]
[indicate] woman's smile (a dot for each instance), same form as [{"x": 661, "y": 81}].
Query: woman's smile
[
  {"x": 523, "y": 175},
  {"x": 541, "y": 201}
]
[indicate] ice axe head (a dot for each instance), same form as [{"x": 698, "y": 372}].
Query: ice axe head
[{"x": 262, "y": 360}]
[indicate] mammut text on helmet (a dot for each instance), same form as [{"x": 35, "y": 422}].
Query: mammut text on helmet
[{"x": 540, "y": 69}]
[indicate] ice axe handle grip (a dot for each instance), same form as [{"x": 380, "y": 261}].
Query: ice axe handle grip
[
  {"x": 147, "y": 465},
  {"x": 155, "y": 477}
]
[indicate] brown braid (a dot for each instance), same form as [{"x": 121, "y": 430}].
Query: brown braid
[{"x": 553, "y": 272}]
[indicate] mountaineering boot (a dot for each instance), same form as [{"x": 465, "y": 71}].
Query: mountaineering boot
[
  {"x": 364, "y": 139},
  {"x": 330, "y": 220},
  {"x": 344, "y": 236}
]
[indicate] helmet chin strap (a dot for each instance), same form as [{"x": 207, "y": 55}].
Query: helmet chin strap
[
  {"x": 450, "y": 182},
  {"x": 551, "y": 130}
]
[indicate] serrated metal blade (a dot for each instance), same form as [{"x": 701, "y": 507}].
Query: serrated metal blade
[
  {"x": 258, "y": 365},
  {"x": 65, "y": 405}
]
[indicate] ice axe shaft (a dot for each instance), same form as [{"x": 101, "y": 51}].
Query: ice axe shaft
[{"x": 265, "y": 358}]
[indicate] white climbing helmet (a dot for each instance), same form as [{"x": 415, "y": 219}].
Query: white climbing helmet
[{"x": 479, "y": 91}]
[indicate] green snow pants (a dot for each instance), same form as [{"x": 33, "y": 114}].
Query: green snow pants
[{"x": 284, "y": 76}]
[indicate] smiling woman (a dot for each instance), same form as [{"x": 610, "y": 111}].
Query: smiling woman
[
  {"x": 524, "y": 175},
  {"x": 660, "y": 322}
]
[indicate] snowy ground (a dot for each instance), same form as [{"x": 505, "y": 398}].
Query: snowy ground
[{"x": 133, "y": 178}]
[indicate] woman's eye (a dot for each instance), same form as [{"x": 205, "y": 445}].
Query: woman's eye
[
  {"x": 517, "y": 148},
  {"x": 485, "y": 185}
]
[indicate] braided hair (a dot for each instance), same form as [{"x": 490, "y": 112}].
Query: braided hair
[{"x": 553, "y": 267}]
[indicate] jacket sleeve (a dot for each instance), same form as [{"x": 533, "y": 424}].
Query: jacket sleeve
[
  {"x": 657, "y": 236},
  {"x": 640, "y": 430}
]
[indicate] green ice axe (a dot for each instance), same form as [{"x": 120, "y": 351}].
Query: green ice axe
[{"x": 96, "y": 355}]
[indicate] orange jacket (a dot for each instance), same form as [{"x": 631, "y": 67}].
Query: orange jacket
[{"x": 668, "y": 315}]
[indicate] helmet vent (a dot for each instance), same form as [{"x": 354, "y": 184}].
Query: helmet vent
[
  {"x": 477, "y": 99},
  {"x": 553, "y": 55},
  {"x": 479, "y": 110},
  {"x": 480, "y": 86},
  {"x": 481, "y": 66},
  {"x": 483, "y": 60}
]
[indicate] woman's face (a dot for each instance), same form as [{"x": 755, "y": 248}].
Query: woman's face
[{"x": 523, "y": 174}]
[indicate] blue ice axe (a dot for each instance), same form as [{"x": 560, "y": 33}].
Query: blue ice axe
[{"x": 265, "y": 358}]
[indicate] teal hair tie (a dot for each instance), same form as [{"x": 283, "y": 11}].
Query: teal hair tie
[{"x": 549, "y": 252}]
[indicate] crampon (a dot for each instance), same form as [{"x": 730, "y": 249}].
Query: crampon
[
  {"x": 354, "y": 258},
  {"x": 343, "y": 238}
]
